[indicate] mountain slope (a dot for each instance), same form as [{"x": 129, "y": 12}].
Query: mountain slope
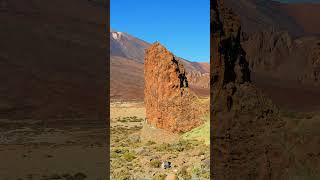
[
  {"x": 263, "y": 14},
  {"x": 52, "y": 59},
  {"x": 126, "y": 46},
  {"x": 127, "y": 57},
  {"x": 299, "y": 19},
  {"x": 282, "y": 47},
  {"x": 306, "y": 15},
  {"x": 287, "y": 69}
]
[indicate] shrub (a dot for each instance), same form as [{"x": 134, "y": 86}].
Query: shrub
[
  {"x": 149, "y": 143},
  {"x": 163, "y": 147},
  {"x": 135, "y": 119},
  {"x": 155, "y": 163},
  {"x": 129, "y": 156},
  {"x": 159, "y": 177},
  {"x": 181, "y": 146},
  {"x": 184, "y": 173},
  {"x": 79, "y": 176}
]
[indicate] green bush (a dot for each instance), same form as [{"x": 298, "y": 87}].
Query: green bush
[
  {"x": 135, "y": 119},
  {"x": 163, "y": 147},
  {"x": 155, "y": 163},
  {"x": 184, "y": 173},
  {"x": 159, "y": 177},
  {"x": 129, "y": 156},
  {"x": 149, "y": 143}
]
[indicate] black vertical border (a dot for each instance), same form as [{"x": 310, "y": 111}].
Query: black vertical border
[
  {"x": 212, "y": 2},
  {"x": 107, "y": 96}
]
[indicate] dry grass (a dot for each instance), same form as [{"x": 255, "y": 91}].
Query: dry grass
[{"x": 133, "y": 157}]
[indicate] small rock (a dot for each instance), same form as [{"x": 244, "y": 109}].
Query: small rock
[
  {"x": 195, "y": 177},
  {"x": 134, "y": 138},
  {"x": 172, "y": 177},
  {"x": 140, "y": 151},
  {"x": 153, "y": 157},
  {"x": 207, "y": 162},
  {"x": 166, "y": 165}
]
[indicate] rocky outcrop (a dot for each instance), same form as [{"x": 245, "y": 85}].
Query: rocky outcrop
[
  {"x": 198, "y": 79},
  {"x": 168, "y": 100},
  {"x": 266, "y": 50},
  {"x": 228, "y": 65},
  {"x": 276, "y": 54},
  {"x": 312, "y": 72},
  {"x": 245, "y": 124}
]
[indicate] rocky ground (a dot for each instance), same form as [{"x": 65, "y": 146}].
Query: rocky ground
[
  {"x": 33, "y": 150},
  {"x": 135, "y": 157},
  {"x": 301, "y": 142}
]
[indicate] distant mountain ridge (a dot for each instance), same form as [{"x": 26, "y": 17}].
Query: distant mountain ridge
[
  {"x": 306, "y": 15},
  {"x": 127, "y": 46},
  {"x": 124, "y": 45},
  {"x": 299, "y": 19},
  {"x": 263, "y": 14}
]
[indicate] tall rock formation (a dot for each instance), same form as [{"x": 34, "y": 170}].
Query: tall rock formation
[
  {"x": 169, "y": 102},
  {"x": 245, "y": 125},
  {"x": 229, "y": 66}
]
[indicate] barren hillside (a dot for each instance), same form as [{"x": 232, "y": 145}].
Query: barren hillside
[{"x": 52, "y": 59}]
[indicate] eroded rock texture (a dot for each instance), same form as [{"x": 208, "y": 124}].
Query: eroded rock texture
[
  {"x": 245, "y": 125},
  {"x": 229, "y": 66},
  {"x": 169, "y": 103},
  {"x": 276, "y": 54}
]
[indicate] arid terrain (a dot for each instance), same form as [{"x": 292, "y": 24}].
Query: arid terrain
[
  {"x": 52, "y": 59},
  {"x": 159, "y": 127},
  {"x": 53, "y": 74},
  {"x": 265, "y": 91},
  {"x": 298, "y": 18},
  {"x": 136, "y": 155},
  {"x": 305, "y": 15},
  {"x": 282, "y": 50},
  {"x": 45, "y": 150}
]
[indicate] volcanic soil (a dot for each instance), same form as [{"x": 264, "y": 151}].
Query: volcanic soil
[
  {"x": 138, "y": 150},
  {"x": 44, "y": 150}
]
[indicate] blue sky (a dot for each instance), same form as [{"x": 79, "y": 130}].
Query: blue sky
[{"x": 183, "y": 26}]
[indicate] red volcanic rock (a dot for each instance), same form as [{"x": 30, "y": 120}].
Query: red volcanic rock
[
  {"x": 198, "y": 79},
  {"x": 169, "y": 102}
]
